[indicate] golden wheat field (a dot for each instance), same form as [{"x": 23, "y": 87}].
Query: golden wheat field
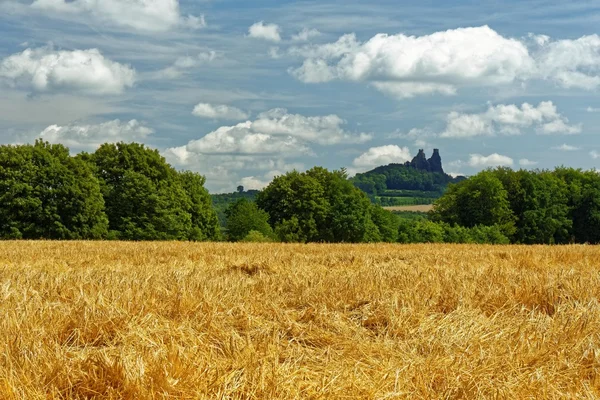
[{"x": 272, "y": 321}]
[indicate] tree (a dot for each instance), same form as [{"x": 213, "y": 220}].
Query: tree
[
  {"x": 584, "y": 203},
  {"x": 47, "y": 194},
  {"x": 204, "y": 221},
  {"x": 244, "y": 217},
  {"x": 480, "y": 200},
  {"x": 146, "y": 199},
  {"x": 318, "y": 206},
  {"x": 240, "y": 189}
]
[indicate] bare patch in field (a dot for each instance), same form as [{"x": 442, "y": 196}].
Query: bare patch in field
[{"x": 419, "y": 208}]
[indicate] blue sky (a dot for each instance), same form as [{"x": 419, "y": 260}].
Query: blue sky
[{"x": 243, "y": 91}]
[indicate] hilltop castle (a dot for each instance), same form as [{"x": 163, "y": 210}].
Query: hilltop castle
[{"x": 433, "y": 164}]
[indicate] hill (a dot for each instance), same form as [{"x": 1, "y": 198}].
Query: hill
[{"x": 415, "y": 182}]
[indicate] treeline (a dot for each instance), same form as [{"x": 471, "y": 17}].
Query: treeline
[
  {"x": 498, "y": 206},
  {"x": 528, "y": 207},
  {"x": 121, "y": 191},
  {"x": 129, "y": 192},
  {"x": 313, "y": 206}
]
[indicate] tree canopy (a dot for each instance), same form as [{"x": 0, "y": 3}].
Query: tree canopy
[
  {"x": 47, "y": 194},
  {"x": 560, "y": 206},
  {"x": 122, "y": 191},
  {"x": 321, "y": 206}
]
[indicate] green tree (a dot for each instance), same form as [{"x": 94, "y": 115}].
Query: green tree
[
  {"x": 584, "y": 203},
  {"x": 318, "y": 206},
  {"x": 146, "y": 199},
  {"x": 539, "y": 202},
  {"x": 243, "y": 217},
  {"x": 46, "y": 193},
  {"x": 479, "y": 200},
  {"x": 204, "y": 221}
]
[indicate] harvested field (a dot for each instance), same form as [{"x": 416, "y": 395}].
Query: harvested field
[
  {"x": 249, "y": 321},
  {"x": 419, "y": 208}
]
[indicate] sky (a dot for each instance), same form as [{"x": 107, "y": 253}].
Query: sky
[{"x": 242, "y": 91}]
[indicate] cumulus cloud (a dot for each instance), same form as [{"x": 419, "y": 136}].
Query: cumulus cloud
[
  {"x": 262, "y": 181},
  {"x": 254, "y": 183},
  {"x": 566, "y": 147},
  {"x": 211, "y": 111},
  {"x": 509, "y": 119},
  {"x": 405, "y": 66},
  {"x": 571, "y": 63},
  {"x": 592, "y": 110},
  {"x": 382, "y": 155},
  {"x": 411, "y": 65},
  {"x": 90, "y": 137},
  {"x": 183, "y": 64},
  {"x": 305, "y": 34},
  {"x": 324, "y": 130},
  {"x": 86, "y": 71},
  {"x": 270, "y": 32},
  {"x": 493, "y": 160},
  {"x": 594, "y": 154},
  {"x": 272, "y": 132},
  {"x": 144, "y": 15}
]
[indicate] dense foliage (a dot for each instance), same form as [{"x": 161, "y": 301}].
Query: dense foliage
[
  {"x": 244, "y": 217},
  {"x": 222, "y": 201},
  {"x": 402, "y": 177},
  {"x": 323, "y": 206},
  {"x": 122, "y": 191},
  {"x": 45, "y": 193},
  {"x": 560, "y": 206},
  {"x": 129, "y": 192}
]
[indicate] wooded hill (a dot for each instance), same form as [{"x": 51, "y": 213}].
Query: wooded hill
[{"x": 420, "y": 181}]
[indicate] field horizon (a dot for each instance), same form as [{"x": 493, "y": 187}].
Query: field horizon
[{"x": 152, "y": 320}]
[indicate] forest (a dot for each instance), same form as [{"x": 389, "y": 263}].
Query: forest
[{"x": 127, "y": 191}]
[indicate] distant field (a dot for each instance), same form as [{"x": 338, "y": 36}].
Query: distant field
[
  {"x": 111, "y": 320},
  {"x": 418, "y": 208}
]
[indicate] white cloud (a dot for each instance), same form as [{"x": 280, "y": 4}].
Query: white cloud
[
  {"x": 466, "y": 125},
  {"x": 324, "y": 130},
  {"x": 305, "y": 34},
  {"x": 527, "y": 163},
  {"x": 594, "y": 154},
  {"x": 90, "y": 137},
  {"x": 141, "y": 15},
  {"x": 241, "y": 139},
  {"x": 441, "y": 63},
  {"x": 566, "y": 147},
  {"x": 509, "y": 119},
  {"x": 592, "y": 110},
  {"x": 382, "y": 155},
  {"x": 493, "y": 160},
  {"x": 413, "y": 65},
  {"x": 571, "y": 63},
  {"x": 182, "y": 64},
  {"x": 86, "y": 71},
  {"x": 254, "y": 183},
  {"x": 211, "y": 111},
  {"x": 270, "y": 32},
  {"x": 260, "y": 182},
  {"x": 559, "y": 126},
  {"x": 272, "y": 132}
]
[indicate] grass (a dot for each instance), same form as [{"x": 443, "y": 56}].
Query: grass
[{"x": 87, "y": 320}]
